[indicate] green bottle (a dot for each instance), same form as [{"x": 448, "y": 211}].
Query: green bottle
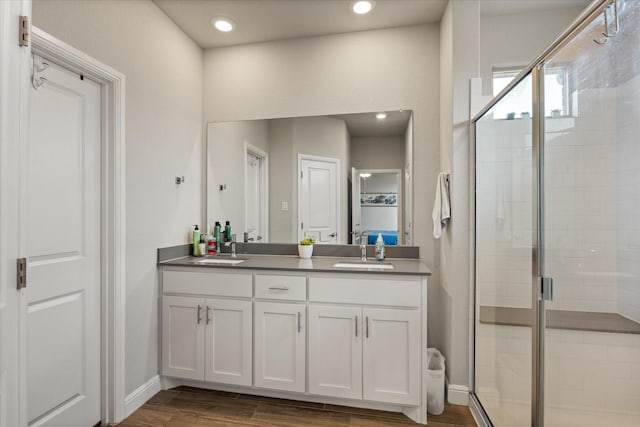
[
  {"x": 227, "y": 232},
  {"x": 196, "y": 240},
  {"x": 216, "y": 233}
]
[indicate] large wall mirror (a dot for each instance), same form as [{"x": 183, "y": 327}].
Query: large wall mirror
[{"x": 335, "y": 178}]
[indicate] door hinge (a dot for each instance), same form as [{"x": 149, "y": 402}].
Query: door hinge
[
  {"x": 22, "y": 273},
  {"x": 302, "y": 226},
  {"x": 301, "y": 174},
  {"x": 24, "y": 35},
  {"x": 545, "y": 288}
]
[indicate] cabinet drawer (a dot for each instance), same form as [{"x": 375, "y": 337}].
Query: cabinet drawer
[
  {"x": 374, "y": 291},
  {"x": 194, "y": 282},
  {"x": 281, "y": 287}
]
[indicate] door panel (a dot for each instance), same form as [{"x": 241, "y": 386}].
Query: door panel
[
  {"x": 319, "y": 200},
  {"x": 183, "y": 337},
  {"x": 228, "y": 342},
  {"x": 280, "y": 346},
  {"x": 335, "y": 351},
  {"x": 63, "y": 248},
  {"x": 391, "y": 356}
]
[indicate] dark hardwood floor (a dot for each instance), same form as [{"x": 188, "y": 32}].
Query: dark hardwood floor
[{"x": 186, "y": 407}]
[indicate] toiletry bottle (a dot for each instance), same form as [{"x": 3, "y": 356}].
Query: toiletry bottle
[
  {"x": 202, "y": 246},
  {"x": 380, "y": 247},
  {"x": 211, "y": 245},
  {"x": 196, "y": 239},
  {"x": 227, "y": 231},
  {"x": 217, "y": 235}
]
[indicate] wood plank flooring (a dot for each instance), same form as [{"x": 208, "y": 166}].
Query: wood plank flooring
[{"x": 192, "y": 407}]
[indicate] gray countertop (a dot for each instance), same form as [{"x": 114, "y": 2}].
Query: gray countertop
[{"x": 412, "y": 267}]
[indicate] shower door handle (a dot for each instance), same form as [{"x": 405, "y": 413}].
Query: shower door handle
[{"x": 545, "y": 288}]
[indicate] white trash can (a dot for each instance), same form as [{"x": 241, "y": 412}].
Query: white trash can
[{"x": 435, "y": 381}]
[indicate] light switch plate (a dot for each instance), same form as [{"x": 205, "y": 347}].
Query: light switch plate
[{"x": 284, "y": 206}]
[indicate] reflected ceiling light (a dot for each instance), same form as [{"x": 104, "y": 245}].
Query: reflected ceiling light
[
  {"x": 381, "y": 116},
  {"x": 223, "y": 24},
  {"x": 363, "y": 6},
  {"x": 365, "y": 175}
]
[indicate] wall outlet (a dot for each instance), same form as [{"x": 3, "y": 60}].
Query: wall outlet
[{"x": 284, "y": 206}]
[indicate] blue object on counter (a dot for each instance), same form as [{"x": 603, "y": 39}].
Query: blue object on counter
[{"x": 390, "y": 237}]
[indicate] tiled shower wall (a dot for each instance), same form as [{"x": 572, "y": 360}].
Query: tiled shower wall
[{"x": 628, "y": 197}]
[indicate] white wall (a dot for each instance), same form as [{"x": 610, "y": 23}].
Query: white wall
[
  {"x": 163, "y": 69},
  {"x": 460, "y": 62},
  {"x": 516, "y": 39},
  {"x": 340, "y": 74},
  {"x": 226, "y": 162}
]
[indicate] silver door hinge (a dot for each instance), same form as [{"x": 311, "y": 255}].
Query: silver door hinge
[
  {"x": 545, "y": 288},
  {"x": 24, "y": 35},
  {"x": 301, "y": 173},
  {"x": 22, "y": 273}
]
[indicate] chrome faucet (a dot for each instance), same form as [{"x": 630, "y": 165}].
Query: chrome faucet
[
  {"x": 362, "y": 239},
  {"x": 232, "y": 243}
]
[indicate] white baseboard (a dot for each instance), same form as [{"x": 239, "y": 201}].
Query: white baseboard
[
  {"x": 457, "y": 394},
  {"x": 139, "y": 396}
]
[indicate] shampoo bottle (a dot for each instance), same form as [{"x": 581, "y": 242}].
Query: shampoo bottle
[
  {"x": 380, "y": 247},
  {"x": 196, "y": 240}
]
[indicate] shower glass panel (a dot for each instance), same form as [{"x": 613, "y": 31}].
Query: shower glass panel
[
  {"x": 591, "y": 227},
  {"x": 503, "y": 261}
]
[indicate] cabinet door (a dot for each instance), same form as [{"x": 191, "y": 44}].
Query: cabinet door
[
  {"x": 391, "y": 356},
  {"x": 228, "y": 341},
  {"x": 183, "y": 337},
  {"x": 279, "y": 346},
  {"x": 335, "y": 351}
]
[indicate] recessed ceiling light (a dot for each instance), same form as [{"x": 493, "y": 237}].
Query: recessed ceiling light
[
  {"x": 381, "y": 116},
  {"x": 363, "y": 6},
  {"x": 223, "y": 24}
]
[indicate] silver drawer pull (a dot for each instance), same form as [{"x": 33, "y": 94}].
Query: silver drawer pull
[
  {"x": 276, "y": 288},
  {"x": 367, "y": 326},
  {"x": 208, "y": 312},
  {"x": 356, "y": 326},
  {"x": 198, "y": 318},
  {"x": 299, "y": 322}
]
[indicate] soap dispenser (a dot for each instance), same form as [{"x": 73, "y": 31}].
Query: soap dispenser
[{"x": 380, "y": 247}]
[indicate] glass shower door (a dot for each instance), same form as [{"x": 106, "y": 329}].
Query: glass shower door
[
  {"x": 591, "y": 217},
  {"x": 503, "y": 261}
]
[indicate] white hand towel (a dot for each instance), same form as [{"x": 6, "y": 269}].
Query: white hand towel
[{"x": 441, "y": 207}]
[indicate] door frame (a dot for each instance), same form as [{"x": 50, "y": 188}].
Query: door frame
[
  {"x": 264, "y": 188},
  {"x": 301, "y": 157},
  {"x": 113, "y": 214},
  {"x": 399, "y": 195}
]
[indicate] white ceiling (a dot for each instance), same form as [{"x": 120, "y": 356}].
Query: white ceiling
[
  {"x": 511, "y": 7},
  {"x": 366, "y": 124},
  {"x": 266, "y": 20}
]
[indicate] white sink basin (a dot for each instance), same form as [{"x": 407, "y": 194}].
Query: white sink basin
[
  {"x": 220, "y": 261},
  {"x": 364, "y": 265}
]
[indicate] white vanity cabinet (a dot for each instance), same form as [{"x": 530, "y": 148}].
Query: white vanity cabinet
[
  {"x": 207, "y": 338},
  {"x": 341, "y": 338},
  {"x": 362, "y": 352}
]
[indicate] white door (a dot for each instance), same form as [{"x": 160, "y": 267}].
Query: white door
[
  {"x": 228, "y": 349},
  {"x": 391, "y": 356},
  {"x": 280, "y": 346},
  {"x": 256, "y": 194},
  {"x": 183, "y": 337},
  {"x": 335, "y": 351},
  {"x": 355, "y": 206},
  {"x": 63, "y": 251},
  {"x": 319, "y": 200}
]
